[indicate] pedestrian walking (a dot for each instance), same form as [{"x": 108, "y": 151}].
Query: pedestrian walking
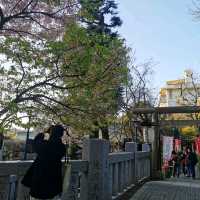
[
  {"x": 44, "y": 177},
  {"x": 183, "y": 155},
  {"x": 192, "y": 161},
  {"x": 176, "y": 164}
]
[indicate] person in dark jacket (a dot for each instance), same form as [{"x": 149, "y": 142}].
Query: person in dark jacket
[
  {"x": 183, "y": 161},
  {"x": 192, "y": 158},
  {"x": 44, "y": 177},
  {"x": 175, "y": 158}
]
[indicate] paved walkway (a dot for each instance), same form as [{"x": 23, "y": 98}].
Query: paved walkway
[{"x": 172, "y": 189}]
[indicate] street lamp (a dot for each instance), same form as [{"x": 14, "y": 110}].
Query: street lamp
[{"x": 27, "y": 138}]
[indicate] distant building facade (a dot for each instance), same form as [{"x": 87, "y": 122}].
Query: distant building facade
[{"x": 184, "y": 91}]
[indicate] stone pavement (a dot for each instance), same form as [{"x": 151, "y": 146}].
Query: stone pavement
[{"x": 172, "y": 189}]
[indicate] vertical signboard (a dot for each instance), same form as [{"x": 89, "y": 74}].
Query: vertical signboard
[
  {"x": 197, "y": 145},
  {"x": 167, "y": 147}
]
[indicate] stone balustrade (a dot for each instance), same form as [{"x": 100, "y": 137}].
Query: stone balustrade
[
  {"x": 121, "y": 172},
  {"x": 99, "y": 176},
  {"x": 142, "y": 165},
  {"x": 128, "y": 168},
  {"x": 11, "y": 173}
]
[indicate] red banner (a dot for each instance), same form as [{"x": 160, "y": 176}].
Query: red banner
[
  {"x": 177, "y": 145},
  {"x": 197, "y": 145}
]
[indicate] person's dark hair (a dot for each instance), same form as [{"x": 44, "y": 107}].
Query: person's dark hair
[
  {"x": 57, "y": 132},
  {"x": 173, "y": 152}
]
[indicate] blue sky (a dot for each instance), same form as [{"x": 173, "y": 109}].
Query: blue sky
[{"x": 162, "y": 30}]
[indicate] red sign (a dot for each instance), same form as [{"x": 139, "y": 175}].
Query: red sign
[
  {"x": 197, "y": 144},
  {"x": 177, "y": 145}
]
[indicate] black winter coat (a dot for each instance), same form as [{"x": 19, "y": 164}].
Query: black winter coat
[
  {"x": 44, "y": 177},
  {"x": 192, "y": 157}
]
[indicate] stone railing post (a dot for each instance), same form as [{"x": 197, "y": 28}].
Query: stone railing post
[
  {"x": 147, "y": 165},
  {"x": 12, "y": 194},
  {"x": 96, "y": 151},
  {"x": 132, "y": 147},
  {"x": 71, "y": 190}
]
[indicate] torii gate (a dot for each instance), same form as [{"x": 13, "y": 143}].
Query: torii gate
[{"x": 156, "y": 111}]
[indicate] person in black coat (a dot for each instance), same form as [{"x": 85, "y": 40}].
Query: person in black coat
[
  {"x": 192, "y": 159},
  {"x": 44, "y": 177}
]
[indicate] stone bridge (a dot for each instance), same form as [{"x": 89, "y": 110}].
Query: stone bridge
[{"x": 102, "y": 175}]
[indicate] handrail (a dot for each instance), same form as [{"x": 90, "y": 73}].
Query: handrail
[
  {"x": 20, "y": 167},
  {"x": 120, "y": 157}
]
